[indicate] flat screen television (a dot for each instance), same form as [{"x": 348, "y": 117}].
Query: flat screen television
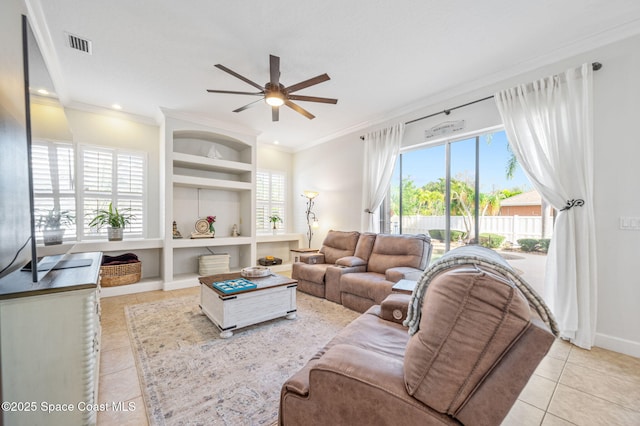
[{"x": 17, "y": 220}]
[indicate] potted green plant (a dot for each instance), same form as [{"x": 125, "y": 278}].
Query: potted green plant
[
  {"x": 114, "y": 219},
  {"x": 51, "y": 223},
  {"x": 275, "y": 219}
]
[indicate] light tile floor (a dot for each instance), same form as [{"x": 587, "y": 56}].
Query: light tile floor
[{"x": 571, "y": 385}]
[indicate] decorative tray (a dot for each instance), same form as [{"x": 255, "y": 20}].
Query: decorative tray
[
  {"x": 234, "y": 286},
  {"x": 255, "y": 272}
]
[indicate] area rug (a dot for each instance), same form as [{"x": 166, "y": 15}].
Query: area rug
[{"x": 190, "y": 376}]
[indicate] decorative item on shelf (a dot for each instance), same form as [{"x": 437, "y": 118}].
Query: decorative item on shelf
[
  {"x": 214, "y": 153},
  {"x": 176, "y": 233},
  {"x": 115, "y": 219},
  {"x": 212, "y": 220},
  {"x": 269, "y": 260},
  {"x": 52, "y": 223},
  {"x": 234, "y": 231},
  {"x": 120, "y": 270},
  {"x": 214, "y": 263},
  {"x": 202, "y": 229},
  {"x": 274, "y": 219},
  {"x": 312, "y": 219},
  {"x": 255, "y": 272}
]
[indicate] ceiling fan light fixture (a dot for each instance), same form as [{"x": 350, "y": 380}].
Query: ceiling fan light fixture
[{"x": 275, "y": 99}]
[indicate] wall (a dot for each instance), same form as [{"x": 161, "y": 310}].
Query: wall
[
  {"x": 271, "y": 158},
  {"x": 334, "y": 169},
  {"x": 616, "y": 105},
  {"x": 118, "y": 131}
]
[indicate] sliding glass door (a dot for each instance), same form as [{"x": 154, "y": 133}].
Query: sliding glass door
[{"x": 467, "y": 191}]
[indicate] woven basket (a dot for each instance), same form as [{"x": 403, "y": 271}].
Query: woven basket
[{"x": 115, "y": 275}]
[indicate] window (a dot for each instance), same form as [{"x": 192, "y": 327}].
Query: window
[
  {"x": 113, "y": 176},
  {"x": 270, "y": 199},
  {"x": 53, "y": 168}
]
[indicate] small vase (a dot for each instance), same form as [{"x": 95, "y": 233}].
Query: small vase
[
  {"x": 52, "y": 236},
  {"x": 115, "y": 234},
  {"x": 212, "y": 230}
]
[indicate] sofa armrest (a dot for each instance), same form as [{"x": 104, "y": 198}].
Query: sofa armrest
[
  {"x": 394, "y": 307},
  {"x": 403, "y": 273},
  {"x": 361, "y": 365},
  {"x": 350, "y": 261},
  {"x": 332, "y": 280},
  {"x": 312, "y": 258}
]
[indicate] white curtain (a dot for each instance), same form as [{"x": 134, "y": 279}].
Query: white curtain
[
  {"x": 381, "y": 149},
  {"x": 549, "y": 127}
]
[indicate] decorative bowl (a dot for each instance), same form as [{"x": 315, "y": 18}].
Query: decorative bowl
[{"x": 255, "y": 272}]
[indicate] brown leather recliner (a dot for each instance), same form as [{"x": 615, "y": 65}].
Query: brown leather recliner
[
  {"x": 479, "y": 340},
  {"x": 310, "y": 271},
  {"x": 392, "y": 258}
]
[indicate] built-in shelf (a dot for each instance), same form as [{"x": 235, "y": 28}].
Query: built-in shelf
[
  {"x": 210, "y": 242},
  {"x": 208, "y": 183},
  {"x": 211, "y": 164},
  {"x": 101, "y": 245},
  {"x": 146, "y": 284},
  {"x": 278, "y": 238}
]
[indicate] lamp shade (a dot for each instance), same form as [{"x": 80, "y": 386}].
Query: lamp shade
[{"x": 311, "y": 194}]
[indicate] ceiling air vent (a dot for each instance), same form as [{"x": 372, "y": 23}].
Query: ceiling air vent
[{"x": 79, "y": 43}]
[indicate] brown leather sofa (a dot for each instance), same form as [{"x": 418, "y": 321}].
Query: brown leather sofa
[
  {"x": 359, "y": 270},
  {"x": 479, "y": 339},
  {"x": 310, "y": 271}
]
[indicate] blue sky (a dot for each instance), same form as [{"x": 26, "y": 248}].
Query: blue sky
[{"x": 428, "y": 164}]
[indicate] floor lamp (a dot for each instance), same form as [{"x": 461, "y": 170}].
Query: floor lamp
[{"x": 312, "y": 220}]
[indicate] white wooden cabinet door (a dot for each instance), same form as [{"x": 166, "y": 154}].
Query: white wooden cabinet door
[{"x": 50, "y": 347}]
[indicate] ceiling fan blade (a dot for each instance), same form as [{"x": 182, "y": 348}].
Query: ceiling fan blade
[
  {"x": 275, "y": 113},
  {"x": 232, "y": 92},
  {"x": 299, "y": 109},
  {"x": 235, "y": 74},
  {"x": 249, "y": 105},
  {"x": 274, "y": 68},
  {"x": 313, "y": 99},
  {"x": 307, "y": 83}
]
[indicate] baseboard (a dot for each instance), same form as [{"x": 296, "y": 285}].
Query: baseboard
[{"x": 616, "y": 344}]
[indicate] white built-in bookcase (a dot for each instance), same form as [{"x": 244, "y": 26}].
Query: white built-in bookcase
[{"x": 210, "y": 171}]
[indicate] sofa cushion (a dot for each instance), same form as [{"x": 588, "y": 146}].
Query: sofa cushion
[
  {"x": 313, "y": 273},
  {"x": 365, "y": 245},
  {"x": 399, "y": 250},
  {"x": 470, "y": 318},
  {"x": 369, "y": 285},
  {"x": 339, "y": 244}
]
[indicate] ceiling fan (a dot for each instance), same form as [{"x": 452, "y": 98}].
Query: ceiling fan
[{"x": 275, "y": 94}]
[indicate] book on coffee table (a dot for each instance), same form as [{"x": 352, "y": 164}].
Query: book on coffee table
[{"x": 234, "y": 285}]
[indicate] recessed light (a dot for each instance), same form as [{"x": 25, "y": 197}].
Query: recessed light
[
  {"x": 43, "y": 92},
  {"x": 276, "y": 142},
  {"x": 116, "y": 106}
]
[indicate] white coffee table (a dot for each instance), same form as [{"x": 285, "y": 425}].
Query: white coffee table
[{"x": 274, "y": 297}]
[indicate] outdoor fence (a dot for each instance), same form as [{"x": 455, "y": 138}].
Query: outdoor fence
[{"x": 512, "y": 228}]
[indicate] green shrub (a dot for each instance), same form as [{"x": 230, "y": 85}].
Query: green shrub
[
  {"x": 439, "y": 234},
  {"x": 492, "y": 241},
  {"x": 528, "y": 244},
  {"x": 544, "y": 244}
]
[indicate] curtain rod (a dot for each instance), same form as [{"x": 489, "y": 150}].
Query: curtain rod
[{"x": 595, "y": 66}]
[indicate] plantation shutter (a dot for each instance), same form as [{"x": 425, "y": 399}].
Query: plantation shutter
[
  {"x": 53, "y": 171},
  {"x": 113, "y": 176},
  {"x": 270, "y": 198}
]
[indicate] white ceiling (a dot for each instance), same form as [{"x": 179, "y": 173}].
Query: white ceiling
[{"x": 382, "y": 56}]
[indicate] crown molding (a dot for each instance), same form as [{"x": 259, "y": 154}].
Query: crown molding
[{"x": 79, "y": 106}]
